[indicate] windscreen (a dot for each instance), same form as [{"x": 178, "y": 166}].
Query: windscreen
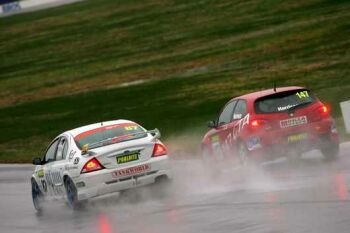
[
  {"x": 106, "y": 135},
  {"x": 284, "y": 101}
]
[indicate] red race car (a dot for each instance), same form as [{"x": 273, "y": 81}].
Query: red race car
[{"x": 271, "y": 123}]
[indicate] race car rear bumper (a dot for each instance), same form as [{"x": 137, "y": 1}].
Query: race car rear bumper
[
  {"x": 106, "y": 181},
  {"x": 271, "y": 151},
  {"x": 317, "y": 136}
]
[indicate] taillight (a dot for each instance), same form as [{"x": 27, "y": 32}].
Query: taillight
[
  {"x": 323, "y": 111},
  {"x": 92, "y": 165},
  {"x": 257, "y": 124},
  {"x": 159, "y": 150}
]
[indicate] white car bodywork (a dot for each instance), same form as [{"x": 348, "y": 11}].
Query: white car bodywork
[{"x": 69, "y": 161}]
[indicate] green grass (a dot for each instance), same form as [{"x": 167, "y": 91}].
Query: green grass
[{"x": 63, "y": 67}]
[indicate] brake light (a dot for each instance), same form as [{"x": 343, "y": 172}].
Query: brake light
[
  {"x": 257, "y": 124},
  {"x": 92, "y": 165},
  {"x": 159, "y": 150},
  {"x": 323, "y": 110}
]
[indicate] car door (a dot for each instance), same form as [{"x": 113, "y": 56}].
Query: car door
[
  {"x": 58, "y": 167},
  {"x": 240, "y": 120},
  {"x": 222, "y": 136},
  {"x": 48, "y": 160}
]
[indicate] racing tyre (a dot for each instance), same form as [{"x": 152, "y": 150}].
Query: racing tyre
[
  {"x": 72, "y": 195},
  {"x": 330, "y": 152},
  {"x": 37, "y": 196},
  {"x": 163, "y": 182},
  {"x": 243, "y": 154},
  {"x": 206, "y": 156}
]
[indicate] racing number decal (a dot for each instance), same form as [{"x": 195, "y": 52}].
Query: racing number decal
[
  {"x": 132, "y": 127},
  {"x": 43, "y": 183},
  {"x": 302, "y": 94}
]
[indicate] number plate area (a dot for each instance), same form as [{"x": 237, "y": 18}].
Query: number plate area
[
  {"x": 293, "y": 122},
  {"x": 297, "y": 137},
  {"x": 127, "y": 158}
]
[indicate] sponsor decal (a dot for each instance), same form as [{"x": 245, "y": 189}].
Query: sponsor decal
[
  {"x": 101, "y": 129},
  {"x": 132, "y": 170},
  {"x": 71, "y": 154},
  {"x": 284, "y": 108},
  {"x": 55, "y": 182},
  {"x": 53, "y": 177},
  {"x": 238, "y": 128},
  {"x": 253, "y": 143},
  {"x": 293, "y": 122}
]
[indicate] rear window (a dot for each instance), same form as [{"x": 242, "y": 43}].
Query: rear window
[
  {"x": 106, "y": 135},
  {"x": 282, "y": 102}
]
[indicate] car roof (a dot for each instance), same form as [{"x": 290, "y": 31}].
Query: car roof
[
  {"x": 259, "y": 94},
  {"x": 82, "y": 129}
]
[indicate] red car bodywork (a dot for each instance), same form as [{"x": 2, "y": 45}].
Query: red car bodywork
[{"x": 272, "y": 134}]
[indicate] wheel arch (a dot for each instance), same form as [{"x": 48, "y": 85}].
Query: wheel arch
[{"x": 65, "y": 177}]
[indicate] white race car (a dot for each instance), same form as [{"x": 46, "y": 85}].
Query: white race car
[{"x": 97, "y": 159}]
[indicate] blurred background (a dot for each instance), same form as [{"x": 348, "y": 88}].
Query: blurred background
[{"x": 165, "y": 64}]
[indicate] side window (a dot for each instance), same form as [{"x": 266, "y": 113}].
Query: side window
[
  {"x": 240, "y": 110},
  {"x": 226, "y": 114},
  {"x": 50, "y": 153},
  {"x": 62, "y": 149},
  {"x": 65, "y": 149}
]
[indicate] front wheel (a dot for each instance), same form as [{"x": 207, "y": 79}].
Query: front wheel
[
  {"x": 206, "y": 158},
  {"x": 37, "y": 196}
]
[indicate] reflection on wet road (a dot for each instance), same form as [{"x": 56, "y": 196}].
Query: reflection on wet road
[{"x": 308, "y": 196}]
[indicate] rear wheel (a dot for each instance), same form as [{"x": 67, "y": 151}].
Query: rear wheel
[
  {"x": 72, "y": 194},
  {"x": 163, "y": 182},
  {"x": 330, "y": 152},
  {"x": 37, "y": 196},
  {"x": 293, "y": 157},
  {"x": 162, "y": 187}
]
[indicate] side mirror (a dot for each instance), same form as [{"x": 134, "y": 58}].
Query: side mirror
[
  {"x": 37, "y": 161},
  {"x": 212, "y": 124},
  {"x": 155, "y": 133}
]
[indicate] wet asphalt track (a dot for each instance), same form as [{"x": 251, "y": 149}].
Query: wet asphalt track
[{"x": 308, "y": 196}]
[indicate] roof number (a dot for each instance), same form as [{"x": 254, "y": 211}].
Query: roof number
[{"x": 302, "y": 94}]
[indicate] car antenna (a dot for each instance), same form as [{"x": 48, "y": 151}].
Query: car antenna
[{"x": 274, "y": 86}]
